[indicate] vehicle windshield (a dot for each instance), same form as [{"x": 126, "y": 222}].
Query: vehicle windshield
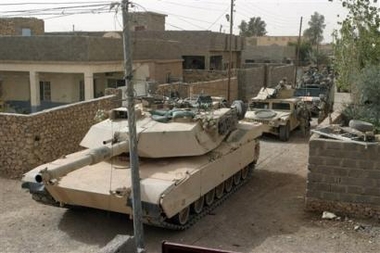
[
  {"x": 260, "y": 105},
  {"x": 281, "y": 106}
]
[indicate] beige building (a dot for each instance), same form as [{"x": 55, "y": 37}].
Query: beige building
[
  {"x": 147, "y": 21},
  {"x": 271, "y": 40},
  {"x": 46, "y": 71},
  {"x": 21, "y": 26}
]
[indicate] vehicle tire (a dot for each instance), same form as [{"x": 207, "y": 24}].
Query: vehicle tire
[
  {"x": 197, "y": 206},
  {"x": 361, "y": 126},
  {"x": 241, "y": 108},
  {"x": 183, "y": 216},
  {"x": 284, "y": 132},
  {"x": 209, "y": 197}
]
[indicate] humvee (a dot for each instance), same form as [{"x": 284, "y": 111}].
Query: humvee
[{"x": 278, "y": 114}]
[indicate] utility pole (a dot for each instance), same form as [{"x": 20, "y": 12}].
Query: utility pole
[
  {"x": 133, "y": 155},
  {"x": 230, "y": 51},
  {"x": 298, "y": 54}
]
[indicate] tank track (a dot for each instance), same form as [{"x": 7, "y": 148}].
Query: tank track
[{"x": 206, "y": 210}]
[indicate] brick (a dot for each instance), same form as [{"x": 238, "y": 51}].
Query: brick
[
  {"x": 340, "y": 171},
  {"x": 372, "y": 191},
  {"x": 363, "y": 199},
  {"x": 313, "y": 194},
  {"x": 344, "y": 197},
  {"x": 315, "y": 160},
  {"x": 338, "y": 188},
  {"x": 349, "y": 163},
  {"x": 375, "y": 201},
  {"x": 357, "y": 173},
  {"x": 332, "y": 179},
  {"x": 314, "y": 177},
  {"x": 317, "y": 144},
  {"x": 350, "y": 146},
  {"x": 363, "y": 182},
  {"x": 355, "y": 190},
  {"x": 374, "y": 174},
  {"x": 366, "y": 164},
  {"x": 330, "y": 196},
  {"x": 332, "y": 161},
  {"x": 334, "y": 144}
]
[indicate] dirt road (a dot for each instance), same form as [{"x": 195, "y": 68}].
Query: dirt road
[{"x": 265, "y": 215}]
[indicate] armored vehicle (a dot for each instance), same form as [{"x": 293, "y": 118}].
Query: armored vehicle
[
  {"x": 279, "y": 114},
  {"x": 191, "y": 159}
]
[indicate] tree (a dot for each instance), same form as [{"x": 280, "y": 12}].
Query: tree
[
  {"x": 314, "y": 34},
  {"x": 357, "y": 43},
  {"x": 305, "y": 51},
  {"x": 255, "y": 27}
]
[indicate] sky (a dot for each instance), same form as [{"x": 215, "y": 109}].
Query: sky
[{"x": 281, "y": 16}]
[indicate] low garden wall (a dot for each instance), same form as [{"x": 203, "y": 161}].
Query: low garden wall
[
  {"x": 343, "y": 177},
  {"x": 27, "y": 141}
]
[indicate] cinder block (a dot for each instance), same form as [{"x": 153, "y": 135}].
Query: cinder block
[
  {"x": 332, "y": 161},
  {"x": 374, "y": 174},
  {"x": 362, "y": 182},
  {"x": 315, "y": 160},
  {"x": 375, "y": 201},
  {"x": 314, "y": 177},
  {"x": 350, "y": 146},
  {"x": 338, "y": 171},
  {"x": 366, "y": 164},
  {"x": 344, "y": 197},
  {"x": 313, "y": 194},
  {"x": 330, "y": 196},
  {"x": 372, "y": 191},
  {"x": 355, "y": 189},
  {"x": 349, "y": 163},
  {"x": 358, "y": 173},
  {"x": 338, "y": 188},
  {"x": 332, "y": 179},
  {"x": 363, "y": 199},
  {"x": 317, "y": 144},
  {"x": 334, "y": 144}
]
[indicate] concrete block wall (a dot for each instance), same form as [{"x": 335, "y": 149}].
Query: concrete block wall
[
  {"x": 343, "y": 178},
  {"x": 216, "y": 88},
  {"x": 196, "y": 75},
  {"x": 277, "y": 73},
  {"x": 30, "y": 140},
  {"x": 250, "y": 81}
]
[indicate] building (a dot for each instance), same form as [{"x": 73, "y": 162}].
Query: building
[
  {"x": 147, "y": 21},
  {"x": 272, "y": 40},
  {"x": 21, "y": 26},
  {"x": 40, "y": 72}
]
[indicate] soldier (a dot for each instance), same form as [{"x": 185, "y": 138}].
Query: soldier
[{"x": 304, "y": 116}]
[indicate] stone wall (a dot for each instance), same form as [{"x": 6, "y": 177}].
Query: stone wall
[
  {"x": 30, "y": 140},
  {"x": 250, "y": 81},
  {"x": 213, "y": 88},
  {"x": 343, "y": 177},
  {"x": 216, "y": 88},
  {"x": 197, "y": 75}
]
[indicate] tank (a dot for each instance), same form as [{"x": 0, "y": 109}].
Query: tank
[{"x": 190, "y": 160}]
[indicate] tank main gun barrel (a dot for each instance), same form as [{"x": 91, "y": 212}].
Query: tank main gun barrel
[{"x": 93, "y": 156}]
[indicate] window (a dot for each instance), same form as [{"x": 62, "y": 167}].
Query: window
[
  {"x": 26, "y": 32},
  {"x": 281, "y": 106},
  {"x": 45, "y": 91}
]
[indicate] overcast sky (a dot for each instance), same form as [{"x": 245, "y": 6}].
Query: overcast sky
[{"x": 281, "y": 16}]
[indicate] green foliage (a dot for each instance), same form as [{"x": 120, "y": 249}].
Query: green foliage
[
  {"x": 305, "y": 51},
  {"x": 255, "y": 27},
  {"x": 357, "y": 42},
  {"x": 314, "y": 34}
]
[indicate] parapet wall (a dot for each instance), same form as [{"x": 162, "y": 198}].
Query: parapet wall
[
  {"x": 30, "y": 140},
  {"x": 343, "y": 177}
]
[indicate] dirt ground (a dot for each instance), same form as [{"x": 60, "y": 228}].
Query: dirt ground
[{"x": 265, "y": 215}]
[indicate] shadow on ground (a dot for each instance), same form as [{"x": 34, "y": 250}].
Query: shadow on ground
[{"x": 270, "y": 204}]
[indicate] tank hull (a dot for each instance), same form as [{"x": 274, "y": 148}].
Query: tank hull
[{"x": 168, "y": 185}]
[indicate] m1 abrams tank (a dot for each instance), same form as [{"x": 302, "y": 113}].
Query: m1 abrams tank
[{"x": 190, "y": 161}]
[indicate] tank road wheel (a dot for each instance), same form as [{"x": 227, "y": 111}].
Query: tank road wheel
[
  {"x": 237, "y": 177},
  {"x": 228, "y": 184},
  {"x": 219, "y": 190},
  {"x": 284, "y": 132},
  {"x": 245, "y": 172},
  {"x": 197, "y": 206},
  {"x": 182, "y": 217},
  {"x": 209, "y": 197}
]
